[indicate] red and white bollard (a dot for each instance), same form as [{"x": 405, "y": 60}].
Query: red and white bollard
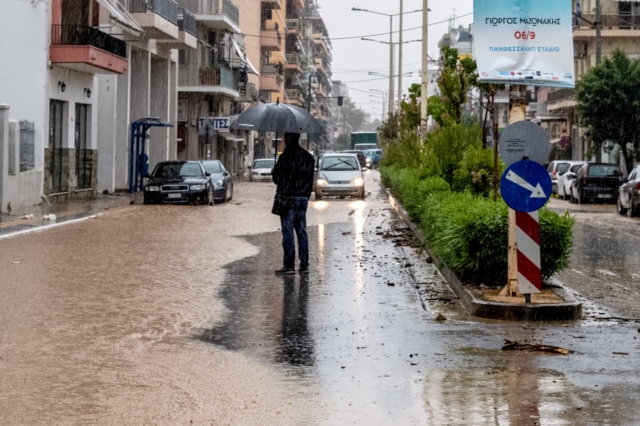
[{"x": 528, "y": 242}]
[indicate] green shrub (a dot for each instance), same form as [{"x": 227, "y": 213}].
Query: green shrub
[{"x": 470, "y": 234}]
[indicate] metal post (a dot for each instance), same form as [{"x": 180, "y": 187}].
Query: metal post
[
  {"x": 598, "y": 33},
  {"x": 425, "y": 62},
  {"x": 390, "y": 66},
  {"x": 400, "y": 56}
]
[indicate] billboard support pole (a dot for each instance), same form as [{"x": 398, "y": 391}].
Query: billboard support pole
[
  {"x": 517, "y": 112},
  {"x": 598, "y": 33}
]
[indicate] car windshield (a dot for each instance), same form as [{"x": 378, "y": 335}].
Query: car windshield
[
  {"x": 263, "y": 164},
  {"x": 604, "y": 170},
  {"x": 340, "y": 163},
  {"x": 574, "y": 169},
  {"x": 177, "y": 170},
  {"x": 562, "y": 168},
  {"x": 212, "y": 167},
  {"x": 369, "y": 154}
]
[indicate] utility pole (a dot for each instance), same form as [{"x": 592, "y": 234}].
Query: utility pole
[
  {"x": 400, "y": 56},
  {"x": 598, "y": 33},
  {"x": 425, "y": 62},
  {"x": 391, "y": 67}
]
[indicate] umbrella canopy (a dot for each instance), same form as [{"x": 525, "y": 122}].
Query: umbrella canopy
[{"x": 277, "y": 117}]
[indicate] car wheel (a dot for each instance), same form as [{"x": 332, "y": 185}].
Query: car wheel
[
  {"x": 318, "y": 197},
  {"x": 632, "y": 210},
  {"x": 231, "y": 194},
  {"x": 580, "y": 197},
  {"x": 620, "y": 208},
  {"x": 211, "y": 200},
  {"x": 363, "y": 195},
  {"x": 146, "y": 201}
]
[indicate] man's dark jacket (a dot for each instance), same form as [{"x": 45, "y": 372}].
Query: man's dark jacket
[{"x": 294, "y": 172}]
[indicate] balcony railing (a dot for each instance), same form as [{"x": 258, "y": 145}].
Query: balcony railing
[
  {"x": 612, "y": 21},
  {"x": 213, "y": 7},
  {"x": 187, "y": 22},
  {"x": 293, "y": 59},
  {"x": 293, "y": 24},
  {"x": 168, "y": 9},
  {"x": 560, "y": 94},
  {"x": 193, "y": 75},
  {"x": 83, "y": 35}
]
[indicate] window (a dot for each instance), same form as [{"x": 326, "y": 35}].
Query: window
[
  {"x": 212, "y": 167},
  {"x": 177, "y": 170},
  {"x": 604, "y": 170}
]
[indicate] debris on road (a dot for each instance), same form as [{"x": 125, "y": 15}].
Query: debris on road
[
  {"x": 441, "y": 317},
  {"x": 516, "y": 346},
  {"x": 27, "y": 217},
  {"x": 51, "y": 217},
  {"x": 621, "y": 353}
]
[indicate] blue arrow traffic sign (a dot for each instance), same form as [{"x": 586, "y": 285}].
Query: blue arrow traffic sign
[{"x": 525, "y": 186}]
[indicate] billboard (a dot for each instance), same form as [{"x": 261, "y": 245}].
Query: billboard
[{"x": 526, "y": 42}]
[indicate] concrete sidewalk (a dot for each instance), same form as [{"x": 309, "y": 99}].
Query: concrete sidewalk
[{"x": 30, "y": 218}]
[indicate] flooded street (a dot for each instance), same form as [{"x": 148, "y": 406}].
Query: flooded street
[{"x": 173, "y": 315}]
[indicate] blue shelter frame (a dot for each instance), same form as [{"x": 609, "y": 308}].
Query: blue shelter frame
[{"x": 139, "y": 129}]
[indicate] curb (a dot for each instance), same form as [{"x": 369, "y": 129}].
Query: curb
[
  {"x": 41, "y": 228},
  {"x": 568, "y": 311}
]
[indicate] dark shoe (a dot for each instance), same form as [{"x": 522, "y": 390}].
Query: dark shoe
[
  {"x": 286, "y": 271},
  {"x": 304, "y": 269}
]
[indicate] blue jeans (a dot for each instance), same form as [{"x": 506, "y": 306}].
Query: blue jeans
[{"x": 295, "y": 219}]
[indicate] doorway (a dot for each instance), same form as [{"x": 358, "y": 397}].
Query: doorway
[
  {"x": 56, "y": 123},
  {"x": 83, "y": 148}
]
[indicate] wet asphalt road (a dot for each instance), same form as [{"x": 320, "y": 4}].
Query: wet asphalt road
[
  {"x": 172, "y": 315},
  {"x": 605, "y": 264}
]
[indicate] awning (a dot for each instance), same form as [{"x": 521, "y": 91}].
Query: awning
[
  {"x": 250, "y": 68},
  {"x": 119, "y": 13}
]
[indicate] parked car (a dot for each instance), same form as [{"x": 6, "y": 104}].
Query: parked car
[
  {"x": 596, "y": 181},
  {"x": 179, "y": 182},
  {"x": 221, "y": 180},
  {"x": 360, "y": 156},
  {"x": 373, "y": 157},
  {"x": 629, "y": 195},
  {"x": 339, "y": 174},
  {"x": 566, "y": 179},
  {"x": 261, "y": 170},
  {"x": 556, "y": 168}
]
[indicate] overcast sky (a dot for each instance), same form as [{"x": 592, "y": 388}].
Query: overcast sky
[{"x": 353, "y": 59}]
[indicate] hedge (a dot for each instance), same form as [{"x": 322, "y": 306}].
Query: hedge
[{"x": 470, "y": 233}]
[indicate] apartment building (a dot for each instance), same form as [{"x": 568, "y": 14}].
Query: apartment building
[{"x": 556, "y": 108}]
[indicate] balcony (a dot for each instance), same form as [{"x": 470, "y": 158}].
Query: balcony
[
  {"x": 321, "y": 41},
  {"x": 273, "y": 4},
  {"x": 561, "y": 99},
  {"x": 298, "y": 4},
  {"x": 270, "y": 37},
  {"x": 187, "y": 34},
  {"x": 158, "y": 18},
  {"x": 87, "y": 49},
  {"x": 294, "y": 97},
  {"x": 271, "y": 78},
  {"x": 294, "y": 63},
  {"x": 216, "y": 14},
  {"x": 293, "y": 25},
  {"x": 322, "y": 68},
  {"x": 613, "y": 25},
  {"x": 212, "y": 79}
]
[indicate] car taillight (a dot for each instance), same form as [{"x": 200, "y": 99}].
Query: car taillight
[
  {"x": 638, "y": 187},
  {"x": 584, "y": 175}
]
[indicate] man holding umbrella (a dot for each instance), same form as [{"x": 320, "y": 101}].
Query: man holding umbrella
[{"x": 293, "y": 174}]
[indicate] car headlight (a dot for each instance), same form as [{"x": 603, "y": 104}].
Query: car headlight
[
  {"x": 218, "y": 184},
  {"x": 153, "y": 188},
  {"x": 321, "y": 182},
  {"x": 198, "y": 187},
  {"x": 368, "y": 160},
  {"x": 358, "y": 182}
]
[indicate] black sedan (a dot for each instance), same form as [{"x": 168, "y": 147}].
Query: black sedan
[
  {"x": 596, "y": 181},
  {"x": 220, "y": 179},
  {"x": 629, "y": 195},
  {"x": 179, "y": 182}
]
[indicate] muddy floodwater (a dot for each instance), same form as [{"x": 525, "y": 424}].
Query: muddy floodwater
[{"x": 172, "y": 315}]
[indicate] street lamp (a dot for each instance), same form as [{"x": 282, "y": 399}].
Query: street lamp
[
  {"x": 385, "y": 97},
  {"x": 391, "y": 60}
]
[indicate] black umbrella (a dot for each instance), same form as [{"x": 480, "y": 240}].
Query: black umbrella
[{"x": 277, "y": 117}]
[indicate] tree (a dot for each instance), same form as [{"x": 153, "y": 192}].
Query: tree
[
  {"x": 343, "y": 142},
  {"x": 373, "y": 126},
  {"x": 410, "y": 108},
  {"x": 456, "y": 78},
  {"x": 609, "y": 105}
]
